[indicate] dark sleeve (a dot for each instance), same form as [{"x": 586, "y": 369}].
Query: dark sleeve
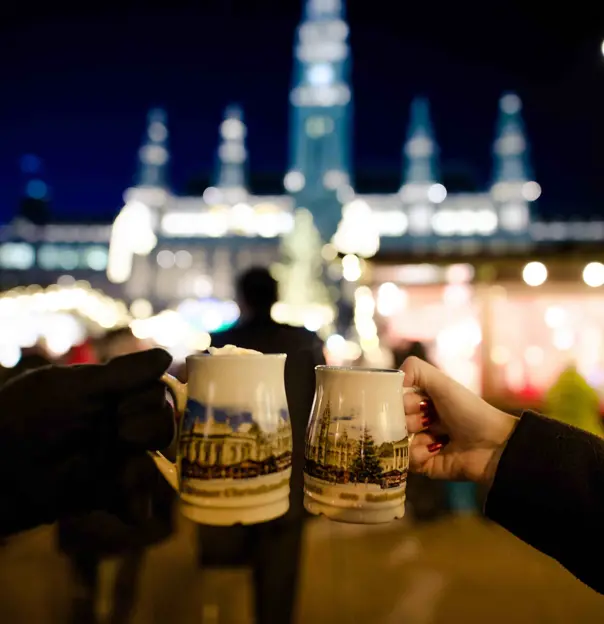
[{"x": 549, "y": 492}]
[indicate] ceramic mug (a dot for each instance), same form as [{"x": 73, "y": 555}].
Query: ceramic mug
[
  {"x": 357, "y": 446},
  {"x": 234, "y": 439}
]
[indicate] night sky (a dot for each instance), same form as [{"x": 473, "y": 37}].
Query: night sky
[{"x": 75, "y": 85}]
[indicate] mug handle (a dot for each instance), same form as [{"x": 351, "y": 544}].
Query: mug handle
[{"x": 178, "y": 391}]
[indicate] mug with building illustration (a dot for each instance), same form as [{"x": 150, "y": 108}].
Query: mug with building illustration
[
  {"x": 234, "y": 440},
  {"x": 357, "y": 446}
]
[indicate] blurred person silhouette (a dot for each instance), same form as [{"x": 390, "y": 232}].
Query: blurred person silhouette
[
  {"x": 272, "y": 548},
  {"x": 87, "y": 541}
]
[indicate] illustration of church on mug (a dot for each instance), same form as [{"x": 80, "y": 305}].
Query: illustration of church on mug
[
  {"x": 228, "y": 443},
  {"x": 335, "y": 456}
]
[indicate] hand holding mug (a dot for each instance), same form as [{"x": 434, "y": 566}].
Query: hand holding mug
[
  {"x": 73, "y": 439},
  {"x": 234, "y": 440},
  {"x": 459, "y": 436}
]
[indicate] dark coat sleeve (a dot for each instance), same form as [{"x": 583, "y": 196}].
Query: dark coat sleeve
[{"x": 549, "y": 491}]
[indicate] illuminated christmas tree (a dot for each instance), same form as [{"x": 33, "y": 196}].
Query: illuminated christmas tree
[
  {"x": 304, "y": 299},
  {"x": 366, "y": 464},
  {"x": 573, "y": 401}
]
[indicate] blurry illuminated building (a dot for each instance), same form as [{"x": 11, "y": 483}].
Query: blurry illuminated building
[{"x": 416, "y": 260}]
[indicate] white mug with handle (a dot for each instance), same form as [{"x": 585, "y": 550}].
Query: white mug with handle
[
  {"x": 234, "y": 439},
  {"x": 357, "y": 445}
]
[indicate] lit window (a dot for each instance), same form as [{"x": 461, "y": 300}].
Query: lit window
[
  {"x": 183, "y": 259},
  {"x": 510, "y": 144},
  {"x": 437, "y": 193},
  {"x": 52, "y": 257},
  {"x": 419, "y": 147},
  {"x": 531, "y": 191},
  {"x": 96, "y": 258},
  {"x": 391, "y": 223},
  {"x": 68, "y": 259},
  {"x": 321, "y": 74},
  {"x": 232, "y": 129},
  {"x": 154, "y": 155},
  {"x": 17, "y": 256},
  {"x": 420, "y": 219},
  {"x": 166, "y": 259},
  {"x": 48, "y": 257},
  {"x": 335, "y": 178},
  {"x": 510, "y": 104},
  {"x": 294, "y": 181},
  {"x": 231, "y": 152},
  {"x": 514, "y": 217},
  {"x": 317, "y": 127},
  {"x": 36, "y": 189},
  {"x": 158, "y": 132}
]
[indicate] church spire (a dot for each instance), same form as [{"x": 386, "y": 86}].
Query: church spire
[
  {"x": 153, "y": 155},
  {"x": 34, "y": 205},
  {"x": 319, "y": 174},
  {"x": 232, "y": 154},
  {"x": 513, "y": 184},
  {"x": 420, "y": 150},
  {"x": 420, "y": 190},
  {"x": 510, "y": 150}
]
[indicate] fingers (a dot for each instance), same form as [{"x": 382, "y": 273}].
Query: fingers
[
  {"x": 424, "y": 447},
  {"x": 146, "y": 419},
  {"x": 416, "y": 407},
  {"x": 421, "y": 414},
  {"x": 124, "y": 373}
]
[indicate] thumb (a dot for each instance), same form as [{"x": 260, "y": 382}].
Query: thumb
[
  {"x": 126, "y": 372},
  {"x": 419, "y": 374}
]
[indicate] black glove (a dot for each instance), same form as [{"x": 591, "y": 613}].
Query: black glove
[{"x": 73, "y": 440}]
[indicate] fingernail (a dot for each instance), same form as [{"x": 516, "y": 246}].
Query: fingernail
[
  {"x": 426, "y": 420},
  {"x": 434, "y": 447},
  {"x": 423, "y": 405}
]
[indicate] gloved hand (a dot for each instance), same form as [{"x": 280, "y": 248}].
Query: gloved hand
[{"x": 73, "y": 441}]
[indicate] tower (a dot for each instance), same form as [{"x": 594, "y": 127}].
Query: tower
[
  {"x": 34, "y": 204},
  {"x": 319, "y": 174},
  {"x": 153, "y": 155},
  {"x": 420, "y": 152},
  {"x": 420, "y": 189},
  {"x": 232, "y": 155},
  {"x": 513, "y": 186}
]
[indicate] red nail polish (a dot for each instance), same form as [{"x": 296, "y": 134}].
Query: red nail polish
[
  {"x": 434, "y": 447},
  {"x": 426, "y": 420},
  {"x": 423, "y": 405}
]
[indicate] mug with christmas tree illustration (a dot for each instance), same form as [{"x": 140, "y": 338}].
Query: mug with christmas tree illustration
[{"x": 357, "y": 446}]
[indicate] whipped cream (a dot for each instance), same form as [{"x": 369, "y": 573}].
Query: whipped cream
[{"x": 232, "y": 350}]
